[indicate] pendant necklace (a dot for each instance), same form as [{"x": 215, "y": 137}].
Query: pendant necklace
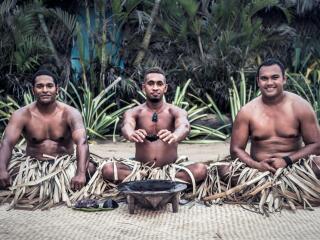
[
  {"x": 154, "y": 117},
  {"x": 153, "y": 137}
]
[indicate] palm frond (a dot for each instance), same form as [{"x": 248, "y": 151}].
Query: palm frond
[
  {"x": 6, "y": 6},
  {"x": 69, "y": 20}
]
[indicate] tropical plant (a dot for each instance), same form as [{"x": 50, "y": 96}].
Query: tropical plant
[
  {"x": 308, "y": 88},
  {"x": 240, "y": 97},
  {"x": 195, "y": 112},
  {"x": 305, "y": 44},
  {"x": 100, "y": 116},
  {"x": 98, "y": 44},
  {"x": 8, "y": 105},
  {"x": 32, "y": 35},
  {"x": 209, "y": 40},
  {"x": 20, "y": 48}
]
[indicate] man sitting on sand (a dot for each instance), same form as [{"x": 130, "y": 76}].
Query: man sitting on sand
[
  {"x": 156, "y": 127},
  {"x": 283, "y": 129},
  {"x": 277, "y": 123},
  {"x": 50, "y": 128}
]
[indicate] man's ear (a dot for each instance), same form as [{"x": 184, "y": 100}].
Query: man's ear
[
  {"x": 257, "y": 81},
  {"x": 143, "y": 88},
  {"x": 284, "y": 79},
  {"x": 166, "y": 88}
]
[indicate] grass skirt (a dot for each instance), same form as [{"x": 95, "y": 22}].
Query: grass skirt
[
  {"x": 43, "y": 184},
  {"x": 39, "y": 184},
  {"x": 265, "y": 192},
  {"x": 98, "y": 187}
]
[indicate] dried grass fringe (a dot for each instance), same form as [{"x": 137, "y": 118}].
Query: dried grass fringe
[
  {"x": 264, "y": 192},
  {"x": 44, "y": 184},
  {"x": 40, "y": 184},
  {"x": 98, "y": 187}
]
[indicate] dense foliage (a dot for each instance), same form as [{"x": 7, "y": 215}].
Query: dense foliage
[{"x": 217, "y": 44}]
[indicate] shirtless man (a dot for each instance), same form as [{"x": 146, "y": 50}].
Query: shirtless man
[
  {"x": 282, "y": 126},
  {"x": 49, "y": 127},
  {"x": 156, "y": 127}
]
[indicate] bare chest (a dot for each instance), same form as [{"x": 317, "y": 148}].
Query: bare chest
[
  {"x": 53, "y": 128},
  {"x": 153, "y": 122},
  {"x": 266, "y": 124}
]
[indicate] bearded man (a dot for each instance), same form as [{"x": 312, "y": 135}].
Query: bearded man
[{"x": 156, "y": 128}]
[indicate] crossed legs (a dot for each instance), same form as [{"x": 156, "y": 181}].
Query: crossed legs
[
  {"x": 198, "y": 170},
  {"x": 225, "y": 170}
]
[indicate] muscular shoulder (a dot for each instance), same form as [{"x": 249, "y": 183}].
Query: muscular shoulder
[
  {"x": 21, "y": 117},
  {"x": 176, "y": 110},
  {"x": 135, "y": 111},
  {"x": 23, "y": 113},
  {"x": 68, "y": 110},
  {"x": 296, "y": 100},
  {"x": 248, "y": 110},
  {"x": 72, "y": 116},
  {"x": 299, "y": 105}
]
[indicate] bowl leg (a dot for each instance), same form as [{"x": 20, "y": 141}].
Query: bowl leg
[
  {"x": 175, "y": 202},
  {"x": 130, "y": 200}
]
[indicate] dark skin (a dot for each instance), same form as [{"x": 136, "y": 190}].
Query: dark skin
[
  {"x": 50, "y": 128},
  {"x": 278, "y": 123},
  {"x": 171, "y": 127}
]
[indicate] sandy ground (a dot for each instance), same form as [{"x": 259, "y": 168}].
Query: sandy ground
[
  {"x": 191, "y": 222},
  {"x": 195, "y": 152}
]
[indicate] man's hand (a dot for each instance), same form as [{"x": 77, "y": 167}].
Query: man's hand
[
  {"x": 138, "y": 136},
  {"x": 278, "y": 163},
  {"x": 78, "y": 181},
  {"x": 266, "y": 165},
  {"x": 167, "y": 136},
  {"x": 5, "y": 179}
]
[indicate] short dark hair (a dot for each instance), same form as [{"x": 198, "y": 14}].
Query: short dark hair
[
  {"x": 269, "y": 62},
  {"x": 154, "y": 70},
  {"x": 44, "y": 72}
]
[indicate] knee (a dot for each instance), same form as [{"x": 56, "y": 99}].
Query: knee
[
  {"x": 200, "y": 171},
  {"x": 107, "y": 172},
  {"x": 91, "y": 168},
  {"x": 224, "y": 170}
]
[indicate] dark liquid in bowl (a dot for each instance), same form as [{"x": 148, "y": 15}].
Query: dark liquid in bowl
[{"x": 152, "y": 186}]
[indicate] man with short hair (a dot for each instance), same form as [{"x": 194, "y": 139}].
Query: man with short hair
[
  {"x": 156, "y": 127},
  {"x": 277, "y": 122},
  {"x": 281, "y": 167},
  {"x": 50, "y": 128}
]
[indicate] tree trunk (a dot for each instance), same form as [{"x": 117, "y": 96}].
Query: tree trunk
[
  {"x": 50, "y": 43},
  {"x": 103, "y": 54},
  {"x": 147, "y": 36}
]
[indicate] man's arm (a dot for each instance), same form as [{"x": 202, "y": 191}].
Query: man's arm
[
  {"x": 11, "y": 137},
  {"x": 79, "y": 138},
  {"x": 310, "y": 132},
  {"x": 129, "y": 127},
  {"x": 181, "y": 125},
  {"x": 239, "y": 140}
]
